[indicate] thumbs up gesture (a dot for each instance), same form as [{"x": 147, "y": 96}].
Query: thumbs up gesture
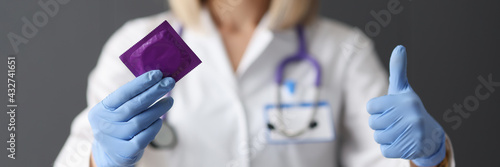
[{"x": 403, "y": 128}]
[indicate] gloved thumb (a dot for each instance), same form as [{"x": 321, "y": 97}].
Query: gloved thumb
[{"x": 398, "y": 82}]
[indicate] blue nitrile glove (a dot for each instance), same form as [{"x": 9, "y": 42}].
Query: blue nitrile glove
[
  {"x": 123, "y": 123},
  {"x": 403, "y": 128}
]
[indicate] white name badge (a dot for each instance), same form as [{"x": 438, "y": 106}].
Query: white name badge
[{"x": 296, "y": 117}]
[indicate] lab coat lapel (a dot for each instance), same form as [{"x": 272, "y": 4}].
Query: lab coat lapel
[
  {"x": 213, "y": 53},
  {"x": 260, "y": 40}
]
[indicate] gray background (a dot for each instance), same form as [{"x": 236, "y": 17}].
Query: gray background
[{"x": 450, "y": 43}]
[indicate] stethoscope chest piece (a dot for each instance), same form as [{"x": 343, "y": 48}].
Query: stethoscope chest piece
[{"x": 165, "y": 137}]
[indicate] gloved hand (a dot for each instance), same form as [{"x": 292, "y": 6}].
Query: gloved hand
[
  {"x": 124, "y": 123},
  {"x": 403, "y": 128}
]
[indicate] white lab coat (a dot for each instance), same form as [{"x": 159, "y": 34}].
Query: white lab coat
[{"x": 218, "y": 113}]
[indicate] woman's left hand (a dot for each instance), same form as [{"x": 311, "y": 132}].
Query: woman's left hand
[{"x": 403, "y": 128}]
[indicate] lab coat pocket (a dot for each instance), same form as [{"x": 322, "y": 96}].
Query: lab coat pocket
[{"x": 293, "y": 124}]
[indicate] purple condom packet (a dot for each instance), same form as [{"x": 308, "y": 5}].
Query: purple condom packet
[{"x": 162, "y": 49}]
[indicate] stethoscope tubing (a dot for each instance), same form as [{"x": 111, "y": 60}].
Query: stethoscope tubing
[{"x": 302, "y": 54}]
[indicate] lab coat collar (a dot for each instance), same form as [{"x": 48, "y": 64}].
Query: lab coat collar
[{"x": 261, "y": 38}]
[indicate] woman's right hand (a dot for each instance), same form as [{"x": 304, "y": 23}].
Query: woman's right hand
[{"x": 124, "y": 123}]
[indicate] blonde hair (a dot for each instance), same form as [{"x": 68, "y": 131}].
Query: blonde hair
[{"x": 283, "y": 13}]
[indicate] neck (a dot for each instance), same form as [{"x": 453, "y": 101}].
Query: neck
[{"x": 237, "y": 15}]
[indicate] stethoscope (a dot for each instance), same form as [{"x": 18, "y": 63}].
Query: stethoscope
[
  {"x": 166, "y": 137},
  {"x": 301, "y": 55}
]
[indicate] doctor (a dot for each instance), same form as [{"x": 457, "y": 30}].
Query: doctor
[{"x": 232, "y": 111}]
